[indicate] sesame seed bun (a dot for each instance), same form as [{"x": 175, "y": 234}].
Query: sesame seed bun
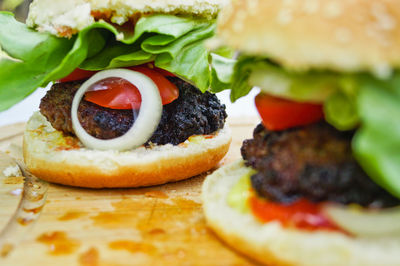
[
  {"x": 61, "y": 159},
  {"x": 338, "y": 35},
  {"x": 272, "y": 244},
  {"x": 59, "y": 16}
]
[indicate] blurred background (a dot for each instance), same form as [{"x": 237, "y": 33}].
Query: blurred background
[{"x": 21, "y": 112}]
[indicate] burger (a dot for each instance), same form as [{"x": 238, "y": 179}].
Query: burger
[
  {"x": 129, "y": 105},
  {"x": 319, "y": 182}
]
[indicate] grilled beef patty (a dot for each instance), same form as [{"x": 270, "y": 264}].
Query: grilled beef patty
[
  {"x": 313, "y": 162},
  {"x": 193, "y": 113}
]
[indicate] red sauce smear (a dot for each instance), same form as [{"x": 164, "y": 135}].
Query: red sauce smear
[{"x": 301, "y": 214}]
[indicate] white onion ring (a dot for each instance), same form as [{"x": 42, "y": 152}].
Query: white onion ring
[
  {"x": 364, "y": 222},
  {"x": 146, "y": 122}
]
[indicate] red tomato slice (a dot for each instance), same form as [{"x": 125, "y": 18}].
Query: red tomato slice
[
  {"x": 168, "y": 91},
  {"x": 78, "y": 74},
  {"x": 301, "y": 214},
  {"x": 280, "y": 114},
  {"x": 117, "y": 93}
]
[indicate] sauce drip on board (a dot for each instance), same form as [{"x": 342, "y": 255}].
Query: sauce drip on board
[
  {"x": 132, "y": 246},
  {"x": 89, "y": 257},
  {"x": 71, "y": 215},
  {"x": 6, "y": 249},
  {"x": 58, "y": 243}
]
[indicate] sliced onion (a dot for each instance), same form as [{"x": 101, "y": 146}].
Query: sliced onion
[
  {"x": 363, "y": 222},
  {"x": 145, "y": 124}
]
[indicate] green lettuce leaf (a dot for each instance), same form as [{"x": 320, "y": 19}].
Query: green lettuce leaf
[
  {"x": 30, "y": 59},
  {"x": 221, "y": 72},
  {"x": 240, "y": 76},
  {"x": 312, "y": 86},
  {"x": 377, "y": 142},
  {"x": 341, "y": 111},
  {"x": 341, "y": 107},
  {"x": 27, "y": 59},
  {"x": 173, "y": 43}
]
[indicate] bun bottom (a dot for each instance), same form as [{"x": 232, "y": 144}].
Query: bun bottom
[
  {"x": 57, "y": 158},
  {"x": 272, "y": 244}
]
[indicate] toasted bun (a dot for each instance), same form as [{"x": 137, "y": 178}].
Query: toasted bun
[
  {"x": 56, "y": 16},
  {"x": 339, "y": 35},
  {"x": 57, "y": 158},
  {"x": 272, "y": 244}
]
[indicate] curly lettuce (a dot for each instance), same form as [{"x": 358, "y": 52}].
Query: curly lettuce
[
  {"x": 30, "y": 59},
  {"x": 376, "y": 144},
  {"x": 357, "y": 101}
]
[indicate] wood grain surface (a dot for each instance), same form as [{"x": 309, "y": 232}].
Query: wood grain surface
[{"x": 161, "y": 225}]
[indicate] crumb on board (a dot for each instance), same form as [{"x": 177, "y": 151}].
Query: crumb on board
[{"x": 12, "y": 171}]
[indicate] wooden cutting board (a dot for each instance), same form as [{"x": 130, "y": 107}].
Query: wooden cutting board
[{"x": 161, "y": 225}]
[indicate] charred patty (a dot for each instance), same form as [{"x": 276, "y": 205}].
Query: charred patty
[
  {"x": 313, "y": 162},
  {"x": 193, "y": 113}
]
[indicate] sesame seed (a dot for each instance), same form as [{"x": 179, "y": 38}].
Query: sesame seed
[
  {"x": 332, "y": 10},
  {"x": 311, "y": 6},
  {"x": 384, "y": 20},
  {"x": 285, "y": 16},
  {"x": 343, "y": 35}
]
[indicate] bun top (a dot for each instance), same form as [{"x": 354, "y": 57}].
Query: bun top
[
  {"x": 344, "y": 35},
  {"x": 56, "y": 16}
]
